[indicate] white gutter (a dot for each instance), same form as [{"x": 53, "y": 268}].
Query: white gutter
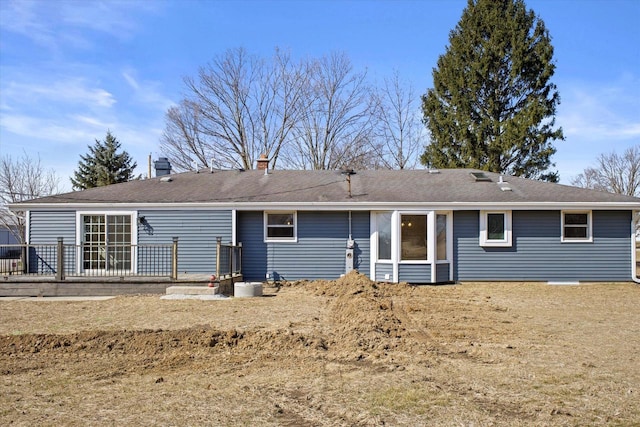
[{"x": 327, "y": 206}]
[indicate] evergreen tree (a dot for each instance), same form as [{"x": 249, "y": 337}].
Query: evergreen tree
[
  {"x": 493, "y": 105},
  {"x": 103, "y": 165}
]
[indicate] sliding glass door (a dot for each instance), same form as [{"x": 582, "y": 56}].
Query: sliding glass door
[{"x": 106, "y": 242}]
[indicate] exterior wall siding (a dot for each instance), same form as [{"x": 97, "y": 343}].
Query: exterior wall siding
[
  {"x": 46, "y": 226},
  {"x": 414, "y": 273},
  {"x": 254, "y": 249},
  {"x": 537, "y": 253},
  {"x": 44, "y": 229},
  {"x": 442, "y": 272},
  {"x": 382, "y": 269},
  {"x": 319, "y": 252},
  {"x": 196, "y": 231}
]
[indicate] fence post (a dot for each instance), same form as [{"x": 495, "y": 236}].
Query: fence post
[
  {"x": 24, "y": 251},
  {"x": 218, "y": 249},
  {"x": 60, "y": 264},
  {"x": 231, "y": 251},
  {"x": 174, "y": 259}
]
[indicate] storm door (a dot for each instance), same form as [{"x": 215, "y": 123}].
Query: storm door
[{"x": 106, "y": 242}]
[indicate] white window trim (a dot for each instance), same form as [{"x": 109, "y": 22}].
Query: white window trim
[
  {"x": 449, "y": 232},
  {"x": 265, "y": 227},
  {"x": 374, "y": 240},
  {"x": 492, "y": 243},
  {"x": 589, "y": 238},
  {"x": 134, "y": 234}
]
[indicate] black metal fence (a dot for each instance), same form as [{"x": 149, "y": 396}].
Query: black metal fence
[
  {"x": 89, "y": 260},
  {"x": 228, "y": 259},
  {"x": 59, "y": 261}
]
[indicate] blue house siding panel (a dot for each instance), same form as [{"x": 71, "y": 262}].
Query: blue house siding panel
[
  {"x": 196, "y": 231},
  {"x": 360, "y": 230},
  {"x": 414, "y": 273},
  {"x": 442, "y": 272},
  {"x": 44, "y": 229},
  {"x": 382, "y": 269},
  {"x": 320, "y": 250},
  {"x": 537, "y": 252},
  {"x": 47, "y": 226},
  {"x": 254, "y": 249}
]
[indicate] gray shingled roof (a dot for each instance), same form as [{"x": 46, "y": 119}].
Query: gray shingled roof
[{"x": 306, "y": 187}]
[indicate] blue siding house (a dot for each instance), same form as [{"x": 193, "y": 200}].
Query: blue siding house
[{"x": 417, "y": 226}]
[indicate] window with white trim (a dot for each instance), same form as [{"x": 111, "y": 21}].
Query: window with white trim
[
  {"x": 441, "y": 237},
  {"x": 495, "y": 228},
  {"x": 383, "y": 224},
  {"x": 280, "y": 226},
  {"x": 576, "y": 226},
  {"x": 413, "y": 238}
]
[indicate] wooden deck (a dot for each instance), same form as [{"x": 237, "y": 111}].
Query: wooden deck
[{"x": 46, "y": 286}]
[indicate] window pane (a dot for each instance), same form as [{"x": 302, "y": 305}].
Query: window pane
[
  {"x": 119, "y": 238},
  {"x": 441, "y": 242},
  {"x": 280, "y": 219},
  {"x": 575, "y": 219},
  {"x": 575, "y": 232},
  {"x": 495, "y": 226},
  {"x": 280, "y": 225},
  {"x": 384, "y": 235},
  {"x": 413, "y": 239},
  {"x": 280, "y": 232}
]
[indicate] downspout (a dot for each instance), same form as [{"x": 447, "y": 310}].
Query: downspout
[{"x": 635, "y": 222}]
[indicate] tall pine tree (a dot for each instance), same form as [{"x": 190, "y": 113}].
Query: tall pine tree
[
  {"x": 103, "y": 165},
  {"x": 493, "y": 105}
]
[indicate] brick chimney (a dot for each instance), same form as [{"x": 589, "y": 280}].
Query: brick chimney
[{"x": 263, "y": 163}]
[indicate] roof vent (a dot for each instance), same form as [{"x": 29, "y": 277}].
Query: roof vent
[
  {"x": 434, "y": 171},
  {"x": 166, "y": 179},
  {"x": 505, "y": 188},
  {"x": 480, "y": 176}
]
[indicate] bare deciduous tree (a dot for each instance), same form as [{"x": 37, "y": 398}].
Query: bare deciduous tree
[
  {"x": 336, "y": 129},
  {"x": 239, "y": 107},
  {"x": 399, "y": 125},
  {"x": 614, "y": 173},
  {"x": 183, "y": 140},
  {"x": 22, "y": 179},
  {"x": 313, "y": 114}
]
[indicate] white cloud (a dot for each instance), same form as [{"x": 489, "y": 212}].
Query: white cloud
[
  {"x": 70, "y": 91},
  {"x": 130, "y": 80},
  {"x": 601, "y": 113},
  {"x": 47, "y": 129},
  {"x": 60, "y": 23},
  {"x": 146, "y": 92}
]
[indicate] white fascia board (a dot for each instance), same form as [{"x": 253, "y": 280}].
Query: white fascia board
[{"x": 328, "y": 206}]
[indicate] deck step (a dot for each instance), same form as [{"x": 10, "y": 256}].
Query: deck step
[{"x": 192, "y": 290}]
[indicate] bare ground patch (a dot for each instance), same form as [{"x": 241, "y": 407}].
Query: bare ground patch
[{"x": 346, "y": 352}]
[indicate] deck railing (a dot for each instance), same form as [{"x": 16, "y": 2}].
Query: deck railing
[
  {"x": 89, "y": 260},
  {"x": 228, "y": 259},
  {"x": 59, "y": 261}
]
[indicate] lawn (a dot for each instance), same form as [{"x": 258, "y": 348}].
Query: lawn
[{"x": 329, "y": 353}]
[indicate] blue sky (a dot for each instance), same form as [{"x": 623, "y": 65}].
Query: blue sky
[{"x": 70, "y": 70}]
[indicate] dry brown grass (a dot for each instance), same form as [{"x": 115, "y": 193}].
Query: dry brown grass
[{"x": 348, "y": 352}]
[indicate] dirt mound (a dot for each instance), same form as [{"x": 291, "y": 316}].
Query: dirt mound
[
  {"x": 361, "y": 323},
  {"x": 152, "y": 342},
  {"x": 362, "y": 314},
  {"x": 353, "y": 283}
]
